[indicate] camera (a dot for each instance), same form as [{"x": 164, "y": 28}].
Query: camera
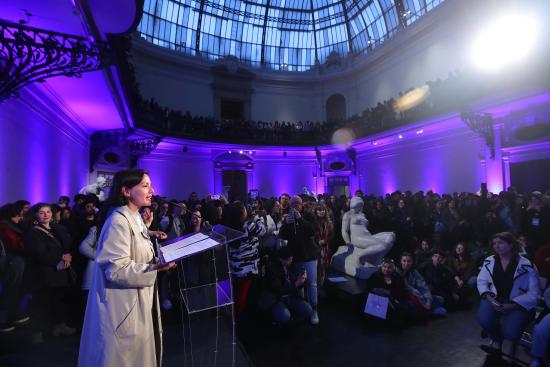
[{"x": 215, "y": 197}]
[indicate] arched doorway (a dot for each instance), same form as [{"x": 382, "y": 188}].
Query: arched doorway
[
  {"x": 232, "y": 174},
  {"x": 335, "y": 108}
]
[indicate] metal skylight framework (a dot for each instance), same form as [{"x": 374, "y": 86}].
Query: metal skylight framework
[{"x": 291, "y": 35}]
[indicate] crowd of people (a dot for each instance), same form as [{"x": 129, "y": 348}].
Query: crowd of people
[
  {"x": 445, "y": 245},
  {"x": 415, "y": 104},
  {"x": 382, "y": 116}
]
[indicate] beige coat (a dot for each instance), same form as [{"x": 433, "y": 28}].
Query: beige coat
[{"x": 120, "y": 328}]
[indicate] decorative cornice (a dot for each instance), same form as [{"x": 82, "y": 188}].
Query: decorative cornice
[{"x": 46, "y": 104}]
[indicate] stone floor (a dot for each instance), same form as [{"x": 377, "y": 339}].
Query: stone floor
[{"x": 343, "y": 338}]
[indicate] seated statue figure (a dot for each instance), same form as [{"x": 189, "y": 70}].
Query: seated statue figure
[
  {"x": 95, "y": 188},
  {"x": 363, "y": 251}
]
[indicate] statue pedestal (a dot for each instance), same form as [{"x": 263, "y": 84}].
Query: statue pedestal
[{"x": 346, "y": 260}]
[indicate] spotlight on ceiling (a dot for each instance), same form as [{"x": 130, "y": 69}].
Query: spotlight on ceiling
[
  {"x": 240, "y": 152},
  {"x": 418, "y": 132},
  {"x": 507, "y": 41},
  {"x": 400, "y": 136}
]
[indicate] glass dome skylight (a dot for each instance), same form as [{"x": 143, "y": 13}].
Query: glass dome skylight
[{"x": 291, "y": 35}]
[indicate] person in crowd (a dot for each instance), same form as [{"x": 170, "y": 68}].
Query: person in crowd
[
  {"x": 49, "y": 274},
  {"x": 165, "y": 217},
  {"x": 509, "y": 288},
  {"x": 180, "y": 224},
  {"x": 63, "y": 201},
  {"x": 386, "y": 282},
  {"x": 283, "y": 294},
  {"x": 11, "y": 276},
  {"x": 463, "y": 268},
  {"x": 122, "y": 326},
  {"x": 82, "y": 225},
  {"x": 244, "y": 256},
  {"x": 440, "y": 279},
  {"x": 423, "y": 254},
  {"x": 78, "y": 201},
  {"x": 324, "y": 235},
  {"x": 212, "y": 211},
  {"x": 88, "y": 248},
  {"x": 180, "y": 221},
  {"x": 24, "y": 206},
  {"x": 284, "y": 199},
  {"x": 541, "y": 337},
  {"x": 196, "y": 270},
  {"x": 271, "y": 242},
  {"x": 420, "y": 296},
  {"x": 148, "y": 216},
  {"x": 300, "y": 236},
  {"x": 535, "y": 220},
  {"x": 541, "y": 259}
]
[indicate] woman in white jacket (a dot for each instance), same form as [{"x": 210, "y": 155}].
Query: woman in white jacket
[
  {"x": 509, "y": 287},
  {"x": 122, "y": 326}
]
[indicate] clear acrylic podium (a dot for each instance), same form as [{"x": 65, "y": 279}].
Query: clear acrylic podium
[{"x": 207, "y": 312}]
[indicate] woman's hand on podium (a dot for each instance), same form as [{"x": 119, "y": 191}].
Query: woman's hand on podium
[{"x": 158, "y": 234}]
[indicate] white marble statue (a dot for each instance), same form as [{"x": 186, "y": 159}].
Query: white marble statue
[
  {"x": 363, "y": 251},
  {"x": 95, "y": 188}
]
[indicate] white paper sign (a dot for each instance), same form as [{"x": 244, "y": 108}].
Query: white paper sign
[
  {"x": 377, "y": 306},
  {"x": 187, "y": 247}
]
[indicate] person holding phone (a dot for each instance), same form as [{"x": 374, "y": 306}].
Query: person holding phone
[
  {"x": 509, "y": 288},
  {"x": 300, "y": 234}
]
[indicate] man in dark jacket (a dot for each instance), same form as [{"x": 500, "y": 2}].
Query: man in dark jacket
[
  {"x": 300, "y": 236},
  {"x": 283, "y": 290},
  {"x": 440, "y": 279}
]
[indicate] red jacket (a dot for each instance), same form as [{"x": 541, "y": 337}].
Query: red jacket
[{"x": 12, "y": 237}]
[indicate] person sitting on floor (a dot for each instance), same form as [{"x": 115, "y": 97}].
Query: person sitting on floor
[
  {"x": 509, "y": 288},
  {"x": 283, "y": 293},
  {"x": 420, "y": 296},
  {"x": 464, "y": 268},
  {"x": 541, "y": 336},
  {"x": 440, "y": 279},
  {"x": 423, "y": 254},
  {"x": 386, "y": 282}
]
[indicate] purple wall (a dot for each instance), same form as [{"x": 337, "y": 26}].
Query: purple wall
[
  {"x": 448, "y": 166},
  {"x": 176, "y": 177},
  {"x": 38, "y": 163},
  {"x": 276, "y": 177}
]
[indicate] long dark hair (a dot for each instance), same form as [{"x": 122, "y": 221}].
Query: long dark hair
[
  {"x": 125, "y": 178},
  {"x": 232, "y": 215}
]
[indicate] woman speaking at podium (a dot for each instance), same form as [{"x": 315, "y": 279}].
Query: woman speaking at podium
[{"x": 122, "y": 326}]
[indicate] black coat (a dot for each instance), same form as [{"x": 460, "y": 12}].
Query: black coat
[
  {"x": 278, "y": 282},
  {"x": 301, "y": 240},
  {"x": 44, "y": 252}
]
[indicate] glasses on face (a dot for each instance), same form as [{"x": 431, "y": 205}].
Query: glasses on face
[{"x": 197, "y": 216}]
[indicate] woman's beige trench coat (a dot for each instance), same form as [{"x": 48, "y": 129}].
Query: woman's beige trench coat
[{"x": 122, "y": 325}]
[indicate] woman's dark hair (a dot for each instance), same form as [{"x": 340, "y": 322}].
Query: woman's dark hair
[
  {"x": 232, "y": 215},
  {"x": 55, "y": 208},
  {"x": 126, "y": 178},
  {"x": 508, "y": 238},
  {"x": 9, "y": 211}
]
